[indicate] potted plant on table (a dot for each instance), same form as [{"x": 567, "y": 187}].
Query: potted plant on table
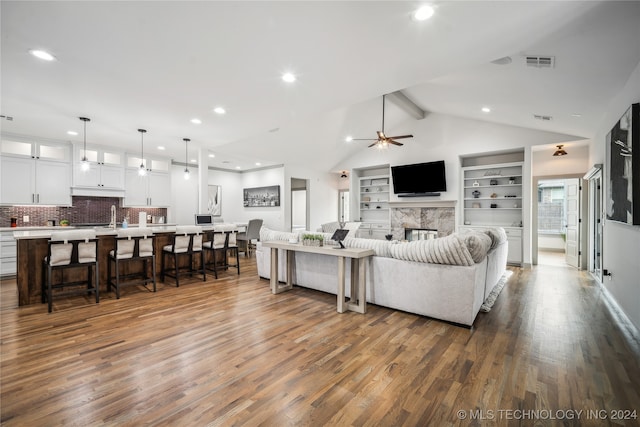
[
  {"x": 64, "y": 222},
  {"x": 312, "y": 239}
]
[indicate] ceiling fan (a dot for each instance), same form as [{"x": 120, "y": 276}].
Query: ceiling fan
[{"x": 383, "y": 140}]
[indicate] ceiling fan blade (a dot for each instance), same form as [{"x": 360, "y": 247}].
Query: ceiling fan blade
[
  {"x": 381, "y": 135},
  {"x": 391, "y": 141},
  {"x": 400, "y": 137},
  {"x": 374, "y": 144},
  {"x": 363, "y": 139}
]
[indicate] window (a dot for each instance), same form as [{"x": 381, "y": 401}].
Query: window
[{"x": 551, "y": 206}]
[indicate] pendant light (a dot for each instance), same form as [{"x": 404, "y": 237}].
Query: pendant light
[
  {"x": 84, "y": 164},
  {"x": 560, "y": 151},
  {"x": 186, "y": 169},
  {"x": 142, "y": 171}
]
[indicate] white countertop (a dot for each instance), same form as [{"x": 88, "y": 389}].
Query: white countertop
[{"x": 45, "y": 232}]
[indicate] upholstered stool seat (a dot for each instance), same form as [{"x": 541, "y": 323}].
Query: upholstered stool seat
[
  {"x": 187, "y": 240},
  {"x": 222, "y": 240},
  {"x": 70, "y": 249},
  {"x": 132, "y": 244}
]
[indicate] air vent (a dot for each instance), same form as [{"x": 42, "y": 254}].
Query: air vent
[
  {"x": 540, "y": 61},
  {"x": 543, "y": 118}
]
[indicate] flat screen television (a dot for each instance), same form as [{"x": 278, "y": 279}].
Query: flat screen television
[{"x": 420, "y": 179}]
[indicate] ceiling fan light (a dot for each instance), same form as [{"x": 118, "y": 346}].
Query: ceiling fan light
[
  {"x": 187, "y": 174},
  {"x": 560, "y": 151}
]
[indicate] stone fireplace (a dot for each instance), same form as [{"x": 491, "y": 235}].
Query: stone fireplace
[{"x": 439, "y": 216}]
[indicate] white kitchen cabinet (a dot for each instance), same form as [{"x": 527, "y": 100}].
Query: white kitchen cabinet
[
  {"x": 152, "y": 189},
  {"x": 106, "y": 168},
  {"x": 33, "y": 181},
  {"x": 8, "y": 255}
]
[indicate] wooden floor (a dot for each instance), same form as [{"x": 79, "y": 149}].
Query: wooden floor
[{"x": 228, "y": 352}]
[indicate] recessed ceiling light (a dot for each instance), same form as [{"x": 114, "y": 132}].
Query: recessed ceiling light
[
  {"x": 423, "y": 13},
  {"x": 194, "y": 161},
  {"x": 196, "y": 121},
  {"x": 219, "y": 110},
  {"x": 72, "y": 132},
  {"x": 160, "y": 147},
  {"x": 237, "y": 167},
  {"x": 486, "y": 109},
  {"x": 576, "y": 115},
  {"x": 42, "y": 54},
  {"x": 212, "y": 155},
  {"x": 258, "y": 163},
  {"x": 349, "y": 138},
  {"x": 288, "y": 77}
]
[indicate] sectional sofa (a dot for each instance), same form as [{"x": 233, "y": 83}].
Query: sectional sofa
[{"x": 446, "y": 278}]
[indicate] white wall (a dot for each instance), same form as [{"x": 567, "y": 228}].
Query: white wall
[
  {"x": 231, "y": 183},
  {"x": 184, "y": 197},
  {"x": 272, "y": 217},
  {"x": 621, "y": 244},
  {"x": 323, "y": 195},
  {"x": 575, "y": 162},
  {"x": 444, "y": 137}
]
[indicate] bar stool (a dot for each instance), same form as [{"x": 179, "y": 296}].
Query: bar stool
[
  {"x": 132, "y": 244},
  {"x": 222, "y": 241},
  {"x": 73, "y": 249},
  {"x": 187, "y": 241}
]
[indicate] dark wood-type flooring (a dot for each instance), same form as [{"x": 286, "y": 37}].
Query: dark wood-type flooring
[{"x": 228, "y": 352}]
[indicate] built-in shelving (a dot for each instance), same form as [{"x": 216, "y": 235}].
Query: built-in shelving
[
  {"x": 492, "y": 196},
  {"x": 374, "y": 211}
]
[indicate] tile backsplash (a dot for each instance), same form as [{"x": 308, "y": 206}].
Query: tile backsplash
[{"x": 84, "y": 210}]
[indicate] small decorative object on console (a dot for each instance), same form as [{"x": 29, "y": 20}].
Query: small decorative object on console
[{"x": 312, "y": 240}]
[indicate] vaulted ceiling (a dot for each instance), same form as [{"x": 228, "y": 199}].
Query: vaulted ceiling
[{"x": 157, "y": 65}]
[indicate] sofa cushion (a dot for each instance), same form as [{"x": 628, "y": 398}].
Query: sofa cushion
[
  {"x": 380, "y": 247},
  {"x": 497, "y": 235},
  {"x": 267, "y": 234},
  {"x": 444, "y": 250},
  {"x": 478, "y": 244}
]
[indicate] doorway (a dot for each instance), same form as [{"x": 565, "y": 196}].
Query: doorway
[
  {"x": 299, "y": 204},
  {"x": 558, "y": 238},
  {"x": 596, "y": 217},
  {"x": 343, "y": 206}
]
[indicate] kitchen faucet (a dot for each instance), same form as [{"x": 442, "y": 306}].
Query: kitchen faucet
[{"x": 112, "y": 224}]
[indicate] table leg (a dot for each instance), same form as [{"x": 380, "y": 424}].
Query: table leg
[
  {"x": 276, "y": 287},
  {"x": 358, "y": 300},
  {"x": 274, "y": 270},
  {"x": 341, "y": 274}
]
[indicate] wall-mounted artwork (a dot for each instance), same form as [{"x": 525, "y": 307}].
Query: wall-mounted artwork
[
  {"x": 214, "y": 204},
  {"x": 262, "y": 196},
  {"x": 623, "y": 192}
]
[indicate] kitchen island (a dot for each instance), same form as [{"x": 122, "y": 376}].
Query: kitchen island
[{"x": 32, "y": 249}]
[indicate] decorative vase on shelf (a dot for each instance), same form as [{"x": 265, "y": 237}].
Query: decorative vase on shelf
[{"x": 476, "y": 194}]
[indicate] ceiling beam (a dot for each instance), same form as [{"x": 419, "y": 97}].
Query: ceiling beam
[{"x": 407, "y": 105}]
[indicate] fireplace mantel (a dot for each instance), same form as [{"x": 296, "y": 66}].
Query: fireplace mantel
[{"x": 424, "y": 204}]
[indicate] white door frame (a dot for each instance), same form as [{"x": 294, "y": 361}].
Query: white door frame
[
  {"x": 595, "y": 221},
  {"x": 534, "y": 217}
]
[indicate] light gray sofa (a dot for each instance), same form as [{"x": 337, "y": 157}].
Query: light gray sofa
[{"x": 421, "y": 277}]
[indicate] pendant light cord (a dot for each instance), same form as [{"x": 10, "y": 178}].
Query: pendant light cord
[{"x": 84, "y": 136}]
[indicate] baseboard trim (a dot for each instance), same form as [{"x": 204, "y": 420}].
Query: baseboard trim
[{"x": 627, "y": 327}]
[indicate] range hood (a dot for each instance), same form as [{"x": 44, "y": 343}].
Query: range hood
[{"x": 96, "y": 192}]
